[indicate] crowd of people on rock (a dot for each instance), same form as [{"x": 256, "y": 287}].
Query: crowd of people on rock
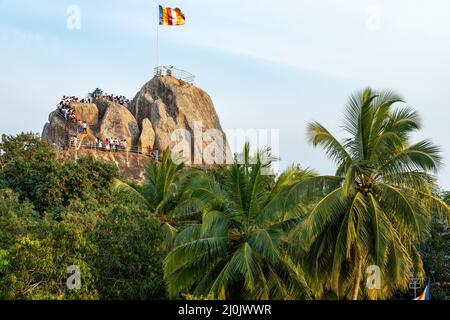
[
  {"x": 122, "y": 100},
  {"x": 114, "y": 145},
  {"x": 111, "y": 144},
  {"x": 66, "y": 110},
  {"x": 99, "y": 94},
  {"x": 66, "y": 101}
]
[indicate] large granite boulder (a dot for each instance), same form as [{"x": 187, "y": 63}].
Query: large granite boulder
[
  {"x": 56, "y": 130},
  {"x": 87, "y": 112},
  {"x": 118, "y": 122},
  {"x": 147, "y": 138},
  {"x": 172, "y": 104}
]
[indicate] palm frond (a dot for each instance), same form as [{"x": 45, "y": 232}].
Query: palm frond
[
  {"x": 318, "y": 135},
  {"x": 121, "y": 187}
]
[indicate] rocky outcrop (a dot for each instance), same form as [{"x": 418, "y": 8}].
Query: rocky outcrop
[
  {"x": 131, "y": 166},
  {"x": 55, "y": 130},
  {"x": 164, "y": 112},
  {"x": 172, "y": 104}
]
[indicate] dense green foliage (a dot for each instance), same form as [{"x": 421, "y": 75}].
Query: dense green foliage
[
  {"x": 31, "y": 169},
  {"x": 38, "y": 252},
  {"x": 436, "y": 257},
  {"x": 75, "y": 220},
  {"x": 232, "y": 232},
  {"x": 129, "y": 262}
]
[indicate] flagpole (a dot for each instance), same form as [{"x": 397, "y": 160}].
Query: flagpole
[
  {"x": 157, "y": 39},
  {"x": 157, "y": 45}
]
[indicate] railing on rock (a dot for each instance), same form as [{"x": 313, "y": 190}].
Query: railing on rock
[
  {"x": 132, "y": 150},
  {"x": 176, "y": 73},
  {"x": 93, "y": 146}
]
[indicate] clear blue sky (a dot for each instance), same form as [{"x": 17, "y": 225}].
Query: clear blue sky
[{"x": 266, "y": 63}]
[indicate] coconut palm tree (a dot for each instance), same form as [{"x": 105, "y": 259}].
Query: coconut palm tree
[
  {"x": 239, "y": 250},
  {"x": 166, "y": 183},
  {"x": 382, "y": 202}
]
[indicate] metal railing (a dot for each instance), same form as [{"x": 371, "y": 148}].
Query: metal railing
[
  {"x": 94, "y": 146},
  {"x": 132, "y": 150},
  {"x": 176, "y": 73}
]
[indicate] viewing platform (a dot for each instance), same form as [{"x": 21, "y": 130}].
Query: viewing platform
[{"x": 183, "y": 75}]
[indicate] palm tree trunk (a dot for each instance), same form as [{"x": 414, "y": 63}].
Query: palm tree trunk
[{"x": 358, "y": 278}]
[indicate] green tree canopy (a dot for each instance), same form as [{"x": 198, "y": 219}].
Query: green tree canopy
[
  {"x": 129, "y": 258},
  {"x": 33, "y": 171}
]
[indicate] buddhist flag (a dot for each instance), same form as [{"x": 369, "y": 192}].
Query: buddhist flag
[
  {"x": 171, "y": 17},
  {"x": 425, "y": 294}
]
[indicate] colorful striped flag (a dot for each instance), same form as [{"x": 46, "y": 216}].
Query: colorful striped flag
[
  {"x": 171, "y": 17},
  {"x": 425, "y": 294}
]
